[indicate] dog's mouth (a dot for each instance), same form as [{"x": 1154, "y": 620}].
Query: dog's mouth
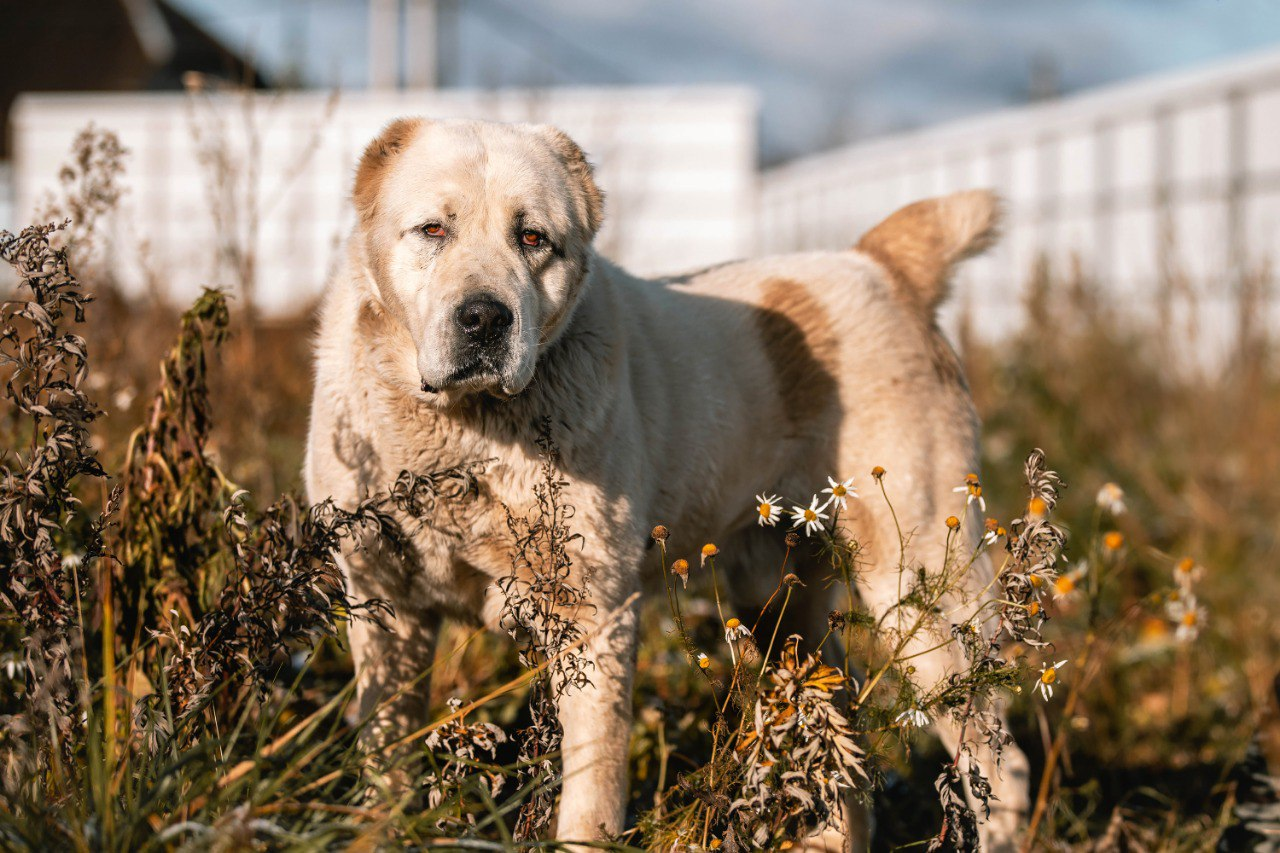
[{"x": 476, "y": 375}]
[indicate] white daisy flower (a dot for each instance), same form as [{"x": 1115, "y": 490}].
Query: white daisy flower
[
  {"x": 913, "y": 717},
  {"x": 734, "y": 629},
  {"x": 840, "y": 492},
  {"x": 994, "y": 532},
  {"x": 1186, "y": 572},
  {"x": 1111, "y": 498},
  {"x": 703, "y": 661},
  {"x": 973, "y": 488},
  {"x": 1066, "y": 586},
  {"x": 811, "y": 516},
  {"x": 1189, "y": 616},
  {"x": 768, "y": 508},
  {"x": 1048, "y": 675}
]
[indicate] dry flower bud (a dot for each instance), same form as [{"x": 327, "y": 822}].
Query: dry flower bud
[
  {"x": 660, "y": 533},
  {"x": 680, "y": 568}
]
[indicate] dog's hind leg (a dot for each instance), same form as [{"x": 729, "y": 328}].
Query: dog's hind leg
[{"x": 935, "y": 657}]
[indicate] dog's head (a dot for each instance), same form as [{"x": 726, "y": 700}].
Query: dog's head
[{"x": 477, "y": 238}]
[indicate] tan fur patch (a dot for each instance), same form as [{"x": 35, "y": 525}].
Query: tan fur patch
[
  {"x": 372, "y": 170},
  {"x": 801, "y": 346}
]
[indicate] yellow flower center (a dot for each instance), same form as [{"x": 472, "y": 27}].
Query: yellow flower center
[
  {"x": 704, "y": 662},
  {"x": 1049, "y": 676},
  {"x": 1113, "y": 540},
  {"x": 839, "y": 491},
  {"x": 1064, "y": 585},
  {"x": 766, "y": 510},
  {"x": 1036, "y": 580},
  {"x": 733, "y": 623},
  {"x": 1190, "y": 618},
  {"x": 810, "y": 515},
  {"x": 1033, "y": 608},
  {"x": 1185, "y": 565},
  {"x": 975, "y": 490},
  {"x": 953, "y": 522}
]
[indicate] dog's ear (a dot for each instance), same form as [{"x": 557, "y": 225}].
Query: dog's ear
[
  {"x": 920, "y": 244},
  {"x": 592, "y": 200},
  {"x": 377, "y": 156}
]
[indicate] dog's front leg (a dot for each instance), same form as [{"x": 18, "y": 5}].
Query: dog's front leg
[
  {"x": 597, "y": 728},
  {"x": 392, "y": 663}
]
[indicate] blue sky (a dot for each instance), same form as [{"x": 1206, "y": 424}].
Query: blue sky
[{"x": 827, "y": 70}]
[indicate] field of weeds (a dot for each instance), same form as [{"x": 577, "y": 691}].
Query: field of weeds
[{"x": 172, "y": 615}]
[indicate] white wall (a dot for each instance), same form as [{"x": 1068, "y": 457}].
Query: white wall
[
  {"x": 678, "y": 167},
  {"x": 1179, "y": 173}
]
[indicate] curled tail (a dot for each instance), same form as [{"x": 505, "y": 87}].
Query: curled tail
[{"x": 921, "y": 243}]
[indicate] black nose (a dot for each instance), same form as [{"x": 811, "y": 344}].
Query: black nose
[{"x": 484, "y": 319}]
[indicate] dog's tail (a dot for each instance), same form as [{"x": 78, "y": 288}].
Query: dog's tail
[{"x": 920, "y": 244}]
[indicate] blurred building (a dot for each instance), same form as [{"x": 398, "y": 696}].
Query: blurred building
[
  {"x": 229, "y": 186},
  {"x": 102, "y": 46},
  {"x": 1166, "y": 191}
]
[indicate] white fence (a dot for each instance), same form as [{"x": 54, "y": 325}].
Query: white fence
[
  {"x": 218, "y": 181},
  {"x": 1172, "y": 179}
]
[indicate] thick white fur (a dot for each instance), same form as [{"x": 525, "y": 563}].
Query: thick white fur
[{"x": 671, "y": 401}]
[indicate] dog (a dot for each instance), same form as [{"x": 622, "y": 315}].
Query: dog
[{"x": 470, "y": 307}]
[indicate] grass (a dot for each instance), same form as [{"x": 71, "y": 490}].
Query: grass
[{"x": 172, "y": 632}]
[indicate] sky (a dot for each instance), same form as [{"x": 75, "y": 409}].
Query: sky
[{"x": 827, "y": 71}]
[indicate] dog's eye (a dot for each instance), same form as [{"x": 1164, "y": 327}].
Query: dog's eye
[
  {"x": 532, "y": 239},
  {"x": 433, "y": 229}
]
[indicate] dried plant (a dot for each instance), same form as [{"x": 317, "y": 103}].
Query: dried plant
[
  {"x": 90, "y": 187},
  {"x": 543, "y": 600},
  {"x": 44, "y": 573},
  {"x": 801, "y": 761},
  {"x": 459, "y": 748}
]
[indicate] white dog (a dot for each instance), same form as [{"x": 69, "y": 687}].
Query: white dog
[{"x": 471, "y": 305}]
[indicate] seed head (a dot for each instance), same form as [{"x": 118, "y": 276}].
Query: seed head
[
  {"x": 877, "y": 473},
  {"x": 793, "y": 539},
  {"x": 680, "y": 568},
  {"x": 953, "y": 522},
  {"x": 660, "y": 533},
  {"x": 836, "y": 620}
]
